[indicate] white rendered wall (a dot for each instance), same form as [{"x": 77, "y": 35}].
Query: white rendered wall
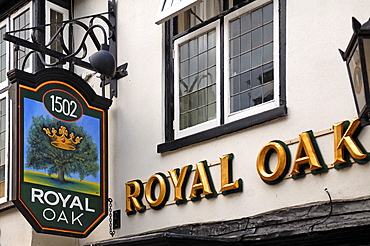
[{"x": 318, "y": 95}]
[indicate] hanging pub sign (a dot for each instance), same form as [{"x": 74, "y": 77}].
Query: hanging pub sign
[{"x": 61, "y": 158}]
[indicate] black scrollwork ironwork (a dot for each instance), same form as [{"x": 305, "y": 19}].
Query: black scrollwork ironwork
[{"x": 72, "y": 53}]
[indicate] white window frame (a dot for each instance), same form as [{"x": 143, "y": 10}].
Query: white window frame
[
  {"x": 51, "y": 6},
  {"x": 5, "y": 83},
  {"x": 8, "y": 180},
  {"x": 208, "y": 124},
  {"x": 230, "y": 117},
  {"x": 12, "y": 17}
]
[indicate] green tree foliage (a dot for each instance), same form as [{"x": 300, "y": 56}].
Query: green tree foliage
[{"x": 42, "y": 155}]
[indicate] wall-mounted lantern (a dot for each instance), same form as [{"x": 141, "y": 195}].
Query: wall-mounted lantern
[{"x": 357, "y": 58}]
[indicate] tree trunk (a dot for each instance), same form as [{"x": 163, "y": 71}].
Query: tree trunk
[{"x": 61, "y": 175}]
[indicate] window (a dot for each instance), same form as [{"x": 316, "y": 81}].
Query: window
[
  {"x": 54, "y": 14},
  {"x": 22, "y": 20},
  {"x": 3, "y": 56},
  {"x": 3, "y": 149},
  {"x": 228, "y": 72},
  {"x": 198, "y": 81},
  {"x": 249, "y": 63}
]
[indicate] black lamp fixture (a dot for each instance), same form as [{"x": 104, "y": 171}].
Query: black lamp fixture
[
  {"x": 104, "y": 62},
  {"x": 357, "y": 58}
]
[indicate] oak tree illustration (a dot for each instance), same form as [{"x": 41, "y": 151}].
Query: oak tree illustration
[{"x": 41, "y": 154}]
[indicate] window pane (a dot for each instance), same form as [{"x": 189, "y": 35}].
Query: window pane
[
  {"x": 184, "y": 69},
  {"x": 202, "y": 41},
  {"x": 202, "y": 99},
  {"x": 184, "y": 51},
  {"x": 234, "y": 85},
  {"x": 267, "y": 33},
  {"x": 245, "y": 42},
  {"x": 211, "y": 111},
  {"x": 184, "y": 121},
  {"x": 267, "y": 13},
  {"x": 193, "y": 100},
  {"x": 268, "y": 92},
  {"x": 235, "y": 47},
  {"x": 234, "y": 103},
  {"x": 193, "y": 65},
  {"x": 202, "y": 61},
  {"x": 2, "y": 123},
  {"x": 246, "y": 23},
  {"x": 245, "y": 62},
  {"x": 2, "y": 157},
  {"x": 184, "y": 86},
  {"x": 256, "y": 77},
  {"x": 234, "y": 66},
  {"x": 2, "y": 139},
  {"x": 193, "y": 47},
  {"x": 2, "y": 177},
  {"x": 267, "y": 53},
  {"x": 211, "y": 39},
  {"x": 184, "y": 104},
  {"x": 234, "y": 28},
  {"x": 268, "y": 72},
  {"x": 193, "y": 118},
  {"x": 202, "y": 115},
  {"x": 245, "y": 100},
  {"x": 211, "y": 76},
  {"x": 256, "y": 18},
  {"x": 256, "y": 57},
  {"x": 245, "y": 81},
  {"x": 211, "y": 94},
  {"x": 203, "y": 80},
  {"x": 193, "y": 83},
  {"x": 211, "y": 57},
  {"x": 2, "y": 107},
  {"x": 256, "y": 38},
  {"x": 256, "y": 96}
]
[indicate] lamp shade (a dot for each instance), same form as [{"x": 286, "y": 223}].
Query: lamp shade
[{"x": 103, "y": 62}]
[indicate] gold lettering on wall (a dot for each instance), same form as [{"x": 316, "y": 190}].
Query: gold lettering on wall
[
  {"x": 179, "y": 180},
  {"x": 307, "y": 156},
  {"x": 345, "y": 143},
  {"x": 202, "y": 183},
  {"x": 134, "y": 194},
  {"x": 164, "y": 190},
  {"x": 283, "y": 162},
  {"x": 227, "y": 186}
]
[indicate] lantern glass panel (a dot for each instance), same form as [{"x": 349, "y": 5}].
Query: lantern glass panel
[
  {"x": 355, "y": 69},
  {"x": 366, "y": 42}
]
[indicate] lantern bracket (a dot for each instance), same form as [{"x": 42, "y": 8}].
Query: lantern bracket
[{"x": 69, "y": 53}]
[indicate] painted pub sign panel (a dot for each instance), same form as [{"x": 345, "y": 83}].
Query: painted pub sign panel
[{"x": 61, "y": 158}]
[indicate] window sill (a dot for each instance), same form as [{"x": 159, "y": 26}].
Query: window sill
[
  {"x": 6, "y": 205},
  {"x": 222, "y": 130}
]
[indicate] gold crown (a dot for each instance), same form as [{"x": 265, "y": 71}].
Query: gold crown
[{"x": 61, "y": 141}]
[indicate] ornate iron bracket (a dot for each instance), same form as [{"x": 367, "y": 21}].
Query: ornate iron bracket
[{"x": 69, "y": 54}]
